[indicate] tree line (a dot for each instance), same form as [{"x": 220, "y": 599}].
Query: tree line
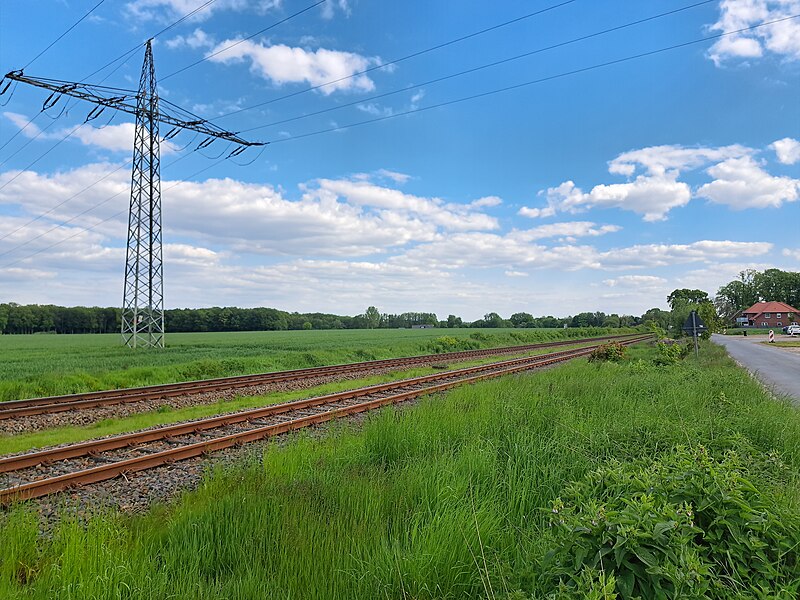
[{"x": 49, "y": 318}]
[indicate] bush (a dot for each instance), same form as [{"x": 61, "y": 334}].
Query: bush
[
  {"x": 688, "y": 525},
  {"x": 613, "y": 351},
  {"x": 671, "y": 352},
  {"x": 446, "y": 343}
]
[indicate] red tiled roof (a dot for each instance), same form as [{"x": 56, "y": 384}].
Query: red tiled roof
[{"x": 770, "y": 307}]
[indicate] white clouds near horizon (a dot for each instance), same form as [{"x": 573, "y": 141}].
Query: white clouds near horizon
[{"x": 739, "y": 180}]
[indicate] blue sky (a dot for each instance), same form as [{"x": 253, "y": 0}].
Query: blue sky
[{"x": 601, "y": 190}]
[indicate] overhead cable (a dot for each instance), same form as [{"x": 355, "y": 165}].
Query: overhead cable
[
  {"x": 73, "y": 26},
  {"x": 532, "y": 82},
  {"x": 406, "y": 57},
  {"x": 478, "y": 68},
  {"x": 221, "y": 50},
  {"x": 90, "y": 228}
]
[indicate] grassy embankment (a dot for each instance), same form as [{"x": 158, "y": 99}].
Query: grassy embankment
[
  {"x": 47, "y": 365},
  {"x": 21, "y": 442},
  {"x": 685, "y": 477}
]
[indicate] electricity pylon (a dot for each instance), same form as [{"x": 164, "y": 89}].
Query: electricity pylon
[{"x": 143, "y": 298}]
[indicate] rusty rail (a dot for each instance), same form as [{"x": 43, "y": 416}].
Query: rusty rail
[
  {"x": 53, "y": 404},
  {"x": 51, "y": 485}
]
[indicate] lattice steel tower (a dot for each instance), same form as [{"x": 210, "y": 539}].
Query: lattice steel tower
[{"x": 143, "y": 299}]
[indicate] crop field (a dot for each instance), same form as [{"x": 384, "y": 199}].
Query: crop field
[
  {"x": 591, "y": 480},
  {"x": 45, "y": 365}
]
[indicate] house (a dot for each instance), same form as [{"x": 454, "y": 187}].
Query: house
[{"x": 768, "y": 314}]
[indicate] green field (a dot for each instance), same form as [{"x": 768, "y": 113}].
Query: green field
[
  {"x": 605, "y": 480},
  {"x": 45, "y": 365}
]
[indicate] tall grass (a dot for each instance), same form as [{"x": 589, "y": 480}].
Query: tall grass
[
  {"x": 450, "y": 499},
  {"x": 43, "y": 365}
]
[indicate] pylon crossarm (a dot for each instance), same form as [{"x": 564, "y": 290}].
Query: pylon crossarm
[{"x": 125, "y": 101}]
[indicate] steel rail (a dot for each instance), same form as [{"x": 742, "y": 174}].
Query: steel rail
[
  {"x": 53, "y": 404},
  {"x": 108, "y": 471},
  {"x": 15, "y": 463}
]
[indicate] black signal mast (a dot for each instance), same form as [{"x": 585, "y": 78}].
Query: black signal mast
[{"x": 143, "y": 296}]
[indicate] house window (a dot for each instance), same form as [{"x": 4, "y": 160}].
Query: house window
[
  {"x": 779, "y": 324},
  {"x": 764, "y": 324},
  {"x": 766, "y": 315},
  {"x": 777, "y": 315}
]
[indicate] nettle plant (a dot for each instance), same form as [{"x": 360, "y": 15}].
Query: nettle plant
[{"x": 689, "y": 525}]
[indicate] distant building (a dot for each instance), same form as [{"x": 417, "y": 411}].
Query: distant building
[
  {"x": 425, "y": 326},
  {"x": 768, "y": 314}
]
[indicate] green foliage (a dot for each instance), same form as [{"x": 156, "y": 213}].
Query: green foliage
[
  {"x": 752, "y": 286},
  {"x": 688, "y": 524},
  {"x": 656, "y": 328},
  {"x": 447, "y": 343},
  {"x": 612, "y": 351},
  {"x": 686, "y": 296},
  {"x": 671, "y": 352},
  {"x": 448, "y": 500},
  {"x": 33, "y": 366},
  {"x": 714, "y": 324},
  {"x": 372, "y": 317}
]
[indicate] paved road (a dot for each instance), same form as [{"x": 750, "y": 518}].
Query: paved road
[{"x": 778, "y": 369}]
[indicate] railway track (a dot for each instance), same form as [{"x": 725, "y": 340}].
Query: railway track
[
  {"x": 55, "y": 404},
  {"x": 48, "y": 471}
]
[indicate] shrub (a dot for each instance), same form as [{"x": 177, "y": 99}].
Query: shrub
[
  {"x": 613, "y": 351},
  {"x": 688, "y": 525},
  {"x": 448, "y": 343},
  {"x": 671, "y": 352}
]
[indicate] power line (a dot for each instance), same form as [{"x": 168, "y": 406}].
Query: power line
[
  {"x": 480, "y": 67},
  {"x": 20, "y": 130},
  {"x": 137, "y": 46},
  {"x": 406, "y": 57},
  {"x": 82, "y": 213},
  {"x": 107, "y": 219},
  {"x": 62, "y": 203},
  {"x": 126, "y": 56},
  {"x": 53, "y": 43},
  {"x": 52, "y": 82},
  {"x": 533, "y": 82},
  {"x": 41, "y": 156},
  {"x": 73, "y": 26},
  {"x": 250, "y": 37}
]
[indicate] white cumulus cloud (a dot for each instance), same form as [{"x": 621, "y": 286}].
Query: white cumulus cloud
[
  {"x": 283, "y": 64},
  {"x": 654, "y": 185},
  {"x": 781, "y": 39},
  {"x": 742, "y": 183},
  {"x": 167, "y": 10},
  {"x": 635, "y": 281},
  {"x": 787, "y": 150}
]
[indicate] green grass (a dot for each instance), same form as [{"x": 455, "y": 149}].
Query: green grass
[
  {"x": 20, "y": 442},
  {"x": 787, "y": 344},
  {"x": 451, "y": 499},
  {"x": 46, "y": 365}
]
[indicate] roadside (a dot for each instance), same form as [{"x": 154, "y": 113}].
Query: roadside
[{"x": 777, "y": 368}]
